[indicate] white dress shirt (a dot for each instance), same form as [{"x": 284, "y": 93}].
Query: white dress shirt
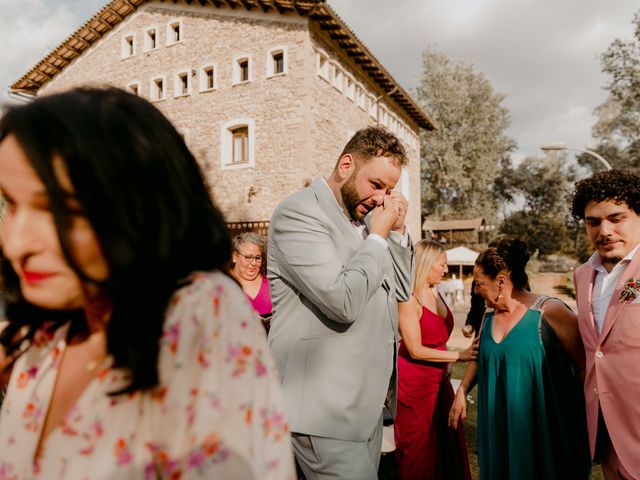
[{"x": 604, "y": 285}]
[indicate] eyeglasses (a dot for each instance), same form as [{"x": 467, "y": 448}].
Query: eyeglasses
[{"x": 251, "y": 258}]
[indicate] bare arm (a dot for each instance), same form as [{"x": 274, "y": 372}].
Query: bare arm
[
  {"x": 565, "y": 325},
  {"x": 459, "y": 407},
  {"x": 409, "y": 322}
]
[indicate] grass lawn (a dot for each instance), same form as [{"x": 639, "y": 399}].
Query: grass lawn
[{"x": 470, "y": 429}]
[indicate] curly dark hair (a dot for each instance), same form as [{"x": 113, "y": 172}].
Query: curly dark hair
[{"x": 612, "y": 185}]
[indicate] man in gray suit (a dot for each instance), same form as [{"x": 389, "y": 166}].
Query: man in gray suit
[{"x": 339, "y": 260}]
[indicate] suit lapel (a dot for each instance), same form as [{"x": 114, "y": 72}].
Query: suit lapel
[
  {"x": 329, "y": 204},
  {"x": 615, "y": 306},
  {"x": 589, "y": 296}
]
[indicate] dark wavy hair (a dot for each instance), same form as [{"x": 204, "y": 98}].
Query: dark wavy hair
[
  {"x": 509, "y": 256},
  {"x": 147, "y": 201},
  {"x": 611, "y": 185},
  {"x": 376, "y": 141}
]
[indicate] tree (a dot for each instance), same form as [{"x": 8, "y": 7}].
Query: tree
[
  {"x": 540, "y": 186},
  {"x": 618, "y": 127},
  {"x": 459, "y": 161}
]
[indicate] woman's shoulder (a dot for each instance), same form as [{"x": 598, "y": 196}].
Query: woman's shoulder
[
  {"x": 551, "y": 307},
  {"x": 208, "y": 297},
  {"x": 203, "y": 286}
]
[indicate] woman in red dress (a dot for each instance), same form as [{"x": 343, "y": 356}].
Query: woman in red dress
[{"x": 426, "y": 448}]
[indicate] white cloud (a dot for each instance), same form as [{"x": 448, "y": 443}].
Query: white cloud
[
  {"x": 32, "y": 28},
  {"x": 542, "y": 54}
]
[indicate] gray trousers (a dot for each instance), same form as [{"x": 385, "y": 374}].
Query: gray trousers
[{"x": 328, "y": 458}]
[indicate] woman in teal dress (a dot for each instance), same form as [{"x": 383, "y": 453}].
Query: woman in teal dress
[{"x": 531, "y": 417}]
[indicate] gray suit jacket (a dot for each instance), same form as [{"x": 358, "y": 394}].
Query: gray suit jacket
[{"x": 334, "y": 329}]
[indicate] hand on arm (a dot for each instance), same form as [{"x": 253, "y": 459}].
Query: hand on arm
[{"x": 409, "y": 322}]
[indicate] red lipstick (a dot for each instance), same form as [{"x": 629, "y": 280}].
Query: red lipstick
[{"x": 35, "y": 277}]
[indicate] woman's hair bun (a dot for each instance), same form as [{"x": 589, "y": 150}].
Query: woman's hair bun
[{"x": 514, "y": 251}]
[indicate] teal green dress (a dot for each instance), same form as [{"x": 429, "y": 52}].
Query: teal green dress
[{"x": 531, "y": 414}]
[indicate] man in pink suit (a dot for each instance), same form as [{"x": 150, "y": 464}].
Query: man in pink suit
[{"x": 608, "y": 299}]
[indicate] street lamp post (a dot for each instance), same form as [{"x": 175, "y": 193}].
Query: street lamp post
[{"x": 554, "y": 147}]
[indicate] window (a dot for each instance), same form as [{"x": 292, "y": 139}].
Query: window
[
  {"x": 324, "y": 69},
  {"x": 350, "y": 88},
  {"x": 240, "y": 145},
  {"x": 242, "y": 71},
  {"x": 337, "y": 77},
  {"x": 128, "y": 46},
  {"x": 174, "y": 32},
  {"x": 182, "y": 84},
  {"x": 207, "y": 78},
  {"x": 237, "y": 144},
  {"x": 134, "y": 87},
  {"x": 276, "y": 62},
  {"x": 373, "y": 107},
  {"x": 151, "y": 39},
  {"x": 157, "y": 89},
  {"x": 361, "y": 97}
]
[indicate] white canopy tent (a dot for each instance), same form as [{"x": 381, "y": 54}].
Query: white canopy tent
[{"x": 461, "y": 256}]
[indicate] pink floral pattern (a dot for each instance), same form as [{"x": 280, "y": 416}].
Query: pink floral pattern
[{"x": 217, "y": 413}]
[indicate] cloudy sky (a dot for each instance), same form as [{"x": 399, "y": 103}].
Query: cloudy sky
[{"x": 543, "y": 54}]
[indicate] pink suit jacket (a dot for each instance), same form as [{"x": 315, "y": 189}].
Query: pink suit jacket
[{"x": 612, "y": 365}]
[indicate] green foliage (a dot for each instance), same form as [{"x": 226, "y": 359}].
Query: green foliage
[
  {"x": 540, "y": 186},
  {"x": 460, "y": 160},
  {"x": 618, "y": 125}
]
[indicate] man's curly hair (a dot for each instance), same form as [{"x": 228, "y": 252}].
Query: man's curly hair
[{"x": 612, "y": 185}]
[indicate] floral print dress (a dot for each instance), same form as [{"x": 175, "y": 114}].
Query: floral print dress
[{"x": 216, "y": 414}]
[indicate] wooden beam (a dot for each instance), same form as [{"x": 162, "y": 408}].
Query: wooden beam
[
  {"x": 278, "y": 6},
  {"x": 59, "y": 57},
  {"x": 93, "y": 30},
  {"x": 115, "y": 13},
  {"x": 44, "y": 74},
  {"x": 105, "y": 22},
  {"x": 246, "y": 4},
  {"x": 263, "y": 6},
  {"x": 85, "y": 42},
  {"x": 52, "y": 66},
  {"x": 231, "y": 4},
  {"x": 297, "y": 8},
  {"x": 72, "y": 48},
  {"x": 330, "y": 26}
]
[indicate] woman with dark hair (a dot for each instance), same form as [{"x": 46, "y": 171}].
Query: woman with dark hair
[
  {"x": 425, "y": 447},
  {"x": 248, "y": 259},
  {"x": 132, "y": 354},
  {"x": 531, "y": 416}
]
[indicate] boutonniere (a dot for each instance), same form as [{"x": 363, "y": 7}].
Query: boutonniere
[{"x": 631, "y": 291}]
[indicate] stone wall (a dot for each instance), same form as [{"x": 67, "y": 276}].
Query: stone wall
[{"x": 301, "y": 122}]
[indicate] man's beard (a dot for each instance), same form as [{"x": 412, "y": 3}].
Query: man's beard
[{"x": 351, "y": 200}]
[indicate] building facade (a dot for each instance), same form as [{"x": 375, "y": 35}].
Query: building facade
[{"x": 265, "y": 92}]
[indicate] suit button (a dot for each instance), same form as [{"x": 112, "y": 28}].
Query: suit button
[
  {"x": 599, "y": 354},
  {"x": 595, "y": 390}
]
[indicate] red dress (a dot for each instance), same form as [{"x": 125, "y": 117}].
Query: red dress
[{"x": 426, "y": 448}]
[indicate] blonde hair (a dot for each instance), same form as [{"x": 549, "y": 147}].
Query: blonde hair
[{"x": 425, "y": 253}]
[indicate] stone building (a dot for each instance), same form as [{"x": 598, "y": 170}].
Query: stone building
[{"x": 265, "y": 92}]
